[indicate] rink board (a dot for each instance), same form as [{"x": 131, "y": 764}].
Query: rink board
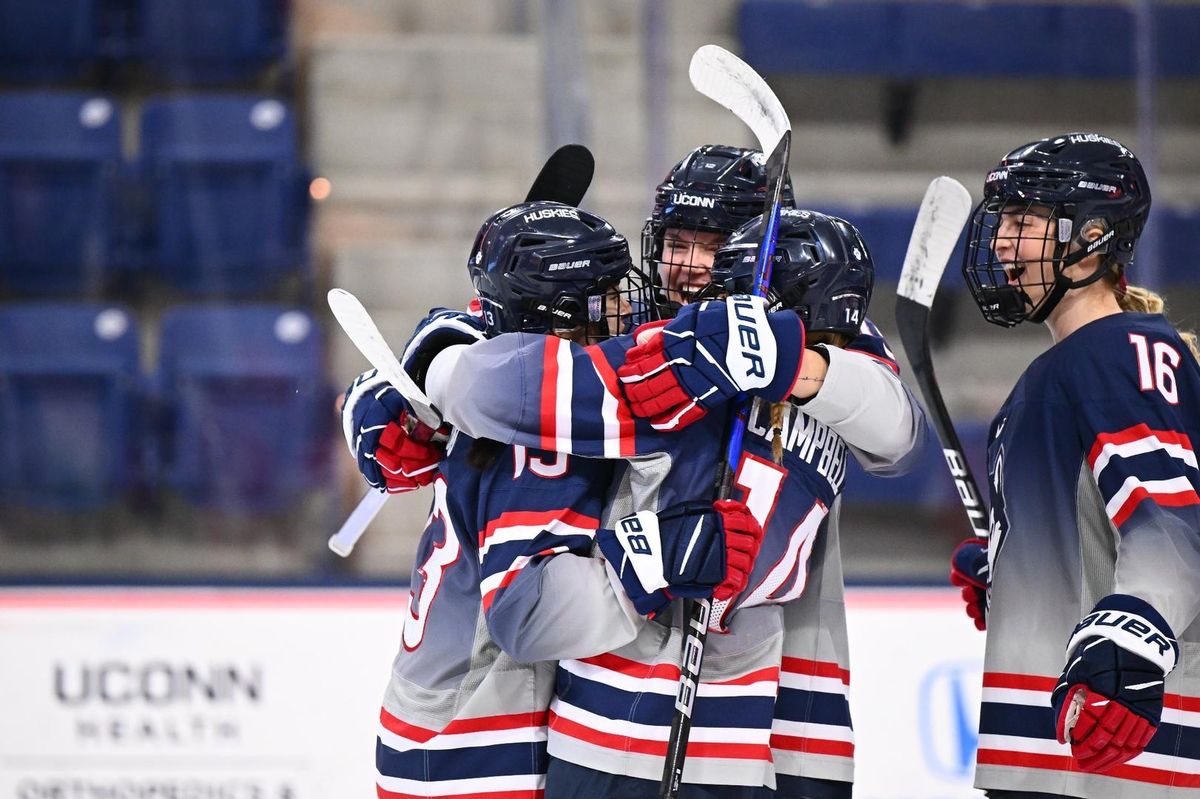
[{"x": 139, "y": 693}]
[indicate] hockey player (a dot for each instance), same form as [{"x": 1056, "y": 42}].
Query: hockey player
[
  {"x": 709, "y": 194},
  {"x": 1089, "y": 583},
  {"x": 510, "y": 531},
  {"x": 609, "y": 718}
]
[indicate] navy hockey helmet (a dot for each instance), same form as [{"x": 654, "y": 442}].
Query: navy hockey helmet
[
  {"x": 545, "y": 267},
  {"x": 822, "y": 270},
  {"x": 713, "y": 190},
  {"x": 1086, "y": 191}
]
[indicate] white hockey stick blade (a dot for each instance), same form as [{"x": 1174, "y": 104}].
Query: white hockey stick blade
[
  {"x": 361, "y": 329},
  {"x": 721, "y": 76},
  {"x": 342, "y": 542},
  {"x": 940, "y": 220}
]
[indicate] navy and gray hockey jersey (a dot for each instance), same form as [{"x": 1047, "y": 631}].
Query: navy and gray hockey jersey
[
  {"x": 1093, "y": 478},
  {"x": 465, "y": 711},
  {"x": 773, "y": 693}
]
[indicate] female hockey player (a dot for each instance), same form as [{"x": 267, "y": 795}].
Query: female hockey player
[
  {"x": 1089, "y": 583},
  {"x": 710, "y": 193},
  {"x": 508, "y": 542},
  {"x": 772, "y": 709}
]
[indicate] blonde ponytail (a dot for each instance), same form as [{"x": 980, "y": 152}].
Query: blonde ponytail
[{"x": 1135, "y": 299}]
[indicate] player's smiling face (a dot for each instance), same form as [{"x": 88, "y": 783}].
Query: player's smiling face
[
  {"x": 1024, "y": 244},
  {"x": 687, "y": 261}
]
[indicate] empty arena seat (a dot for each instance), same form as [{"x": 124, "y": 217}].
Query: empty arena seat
[
  {"x": 69, "y": 394},
  {"x": 212, "y": 41},
  {"x": 60, "y": 160},
  {"x": 887, "y": 229},
  {"x": 228, "y": 191},
  {"x": 916, "y": 39},
  {"x": 246, "y": 409},
  {"x": 928, "y": 482},
  {"x": 49, "y": 39}
]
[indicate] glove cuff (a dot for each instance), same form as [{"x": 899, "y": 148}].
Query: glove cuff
[
  {"x": 789, "y": 334},
  {"x": 366, "y": 384},
  {"x": 1133, "y": 625},
  {"x": 634, "y": 553},
  {"x": 444, "y": 328}
]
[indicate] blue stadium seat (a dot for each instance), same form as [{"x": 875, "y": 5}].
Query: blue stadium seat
[
  {"x": 60, "y": 160},
  {"x": 887, "y": 229},
  {"x": 229, "y": 191},
  {"x": 928, "y": 483},
  {"x": 937, "y": 38},
  {"x": 246, "y": 405},
  {"x": 49, "y": 40},
  {"x": 1176, "y": 34},
  {"x": 193, "y": 42},
  {"x": 69, "y": 394}
]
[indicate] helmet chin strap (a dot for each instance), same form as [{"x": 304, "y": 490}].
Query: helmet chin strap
[{"x": 1062, "y": 284}]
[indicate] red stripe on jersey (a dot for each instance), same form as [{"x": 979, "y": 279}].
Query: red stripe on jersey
[
  {"x": 815, "y": 746},
  {"x": 624, "y": 417},
  {"x": 625, "y": 743},
  {"x": 669, "y": 671},
  {"x": 511, "y": 575},
  {"x": 383, "y": 793},
  {"x": 1180, "y": 702},
  {"x": 536, "y": 518},
  {"x": 550, "y": 394},
  {"x": 490, "y": 596},
  {"x": 1158, "y": 776},
  {"x": 1024, "y": 682},
  {"x": 1135, "y": 498},
  {"x": 888, "y": 362},
  {"x": 1030, "y": 682},
  {"x": 511, "y": 721},
  {"x": 1136, "y": 433},
  {"x": 816, "y": 668}
]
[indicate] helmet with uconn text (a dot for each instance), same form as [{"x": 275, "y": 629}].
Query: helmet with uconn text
[
  {"x": 822, "y": 269},
  {"x": 714, "y": 189},
  {"x": 545, "y": 267},
  {"x": 1094, "y": 194}
]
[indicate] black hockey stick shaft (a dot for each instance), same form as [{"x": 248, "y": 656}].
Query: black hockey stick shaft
[
  {"x": 912, "y": 319},
  {"x": 565, "y": 177},
  {"x": 699, "y": 611}
]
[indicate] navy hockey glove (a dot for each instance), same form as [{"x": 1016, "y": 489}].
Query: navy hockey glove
[
  {"x": 708, "y": 354},
  {"x": 394, "y": 450},
  {"x": 1109, "y": 699},
  {"x": 693, "y": 549},
  {"x": 969, "y": 571},
  {"x": 442, "y": 328}
]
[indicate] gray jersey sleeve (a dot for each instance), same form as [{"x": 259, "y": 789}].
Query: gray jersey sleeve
[
  {"x": 871, "y": 409},
  {"x": 567, "y": 606},
  {"x": 494, "y": 369}
]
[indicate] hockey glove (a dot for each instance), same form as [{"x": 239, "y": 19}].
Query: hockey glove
[
  {"x": 969, "y": 571},
  {"x": 393, "y": 449},
  {"x": 693, "y": 549},
  {"x": 442, "y": 328},
  {"x": 708, "y": 354},
  {"x": 1109, "y": 699}
]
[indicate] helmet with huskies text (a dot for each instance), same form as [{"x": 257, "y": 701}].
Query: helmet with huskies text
[
  {"x": 1088, "y": 192},
  {"x": 545, "y": 267}
]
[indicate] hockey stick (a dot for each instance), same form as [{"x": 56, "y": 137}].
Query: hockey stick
[
  {"x": 725, "y": 78},
  {"x": 564, "y": 178},
  {"x": 940, "y": 220}
]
